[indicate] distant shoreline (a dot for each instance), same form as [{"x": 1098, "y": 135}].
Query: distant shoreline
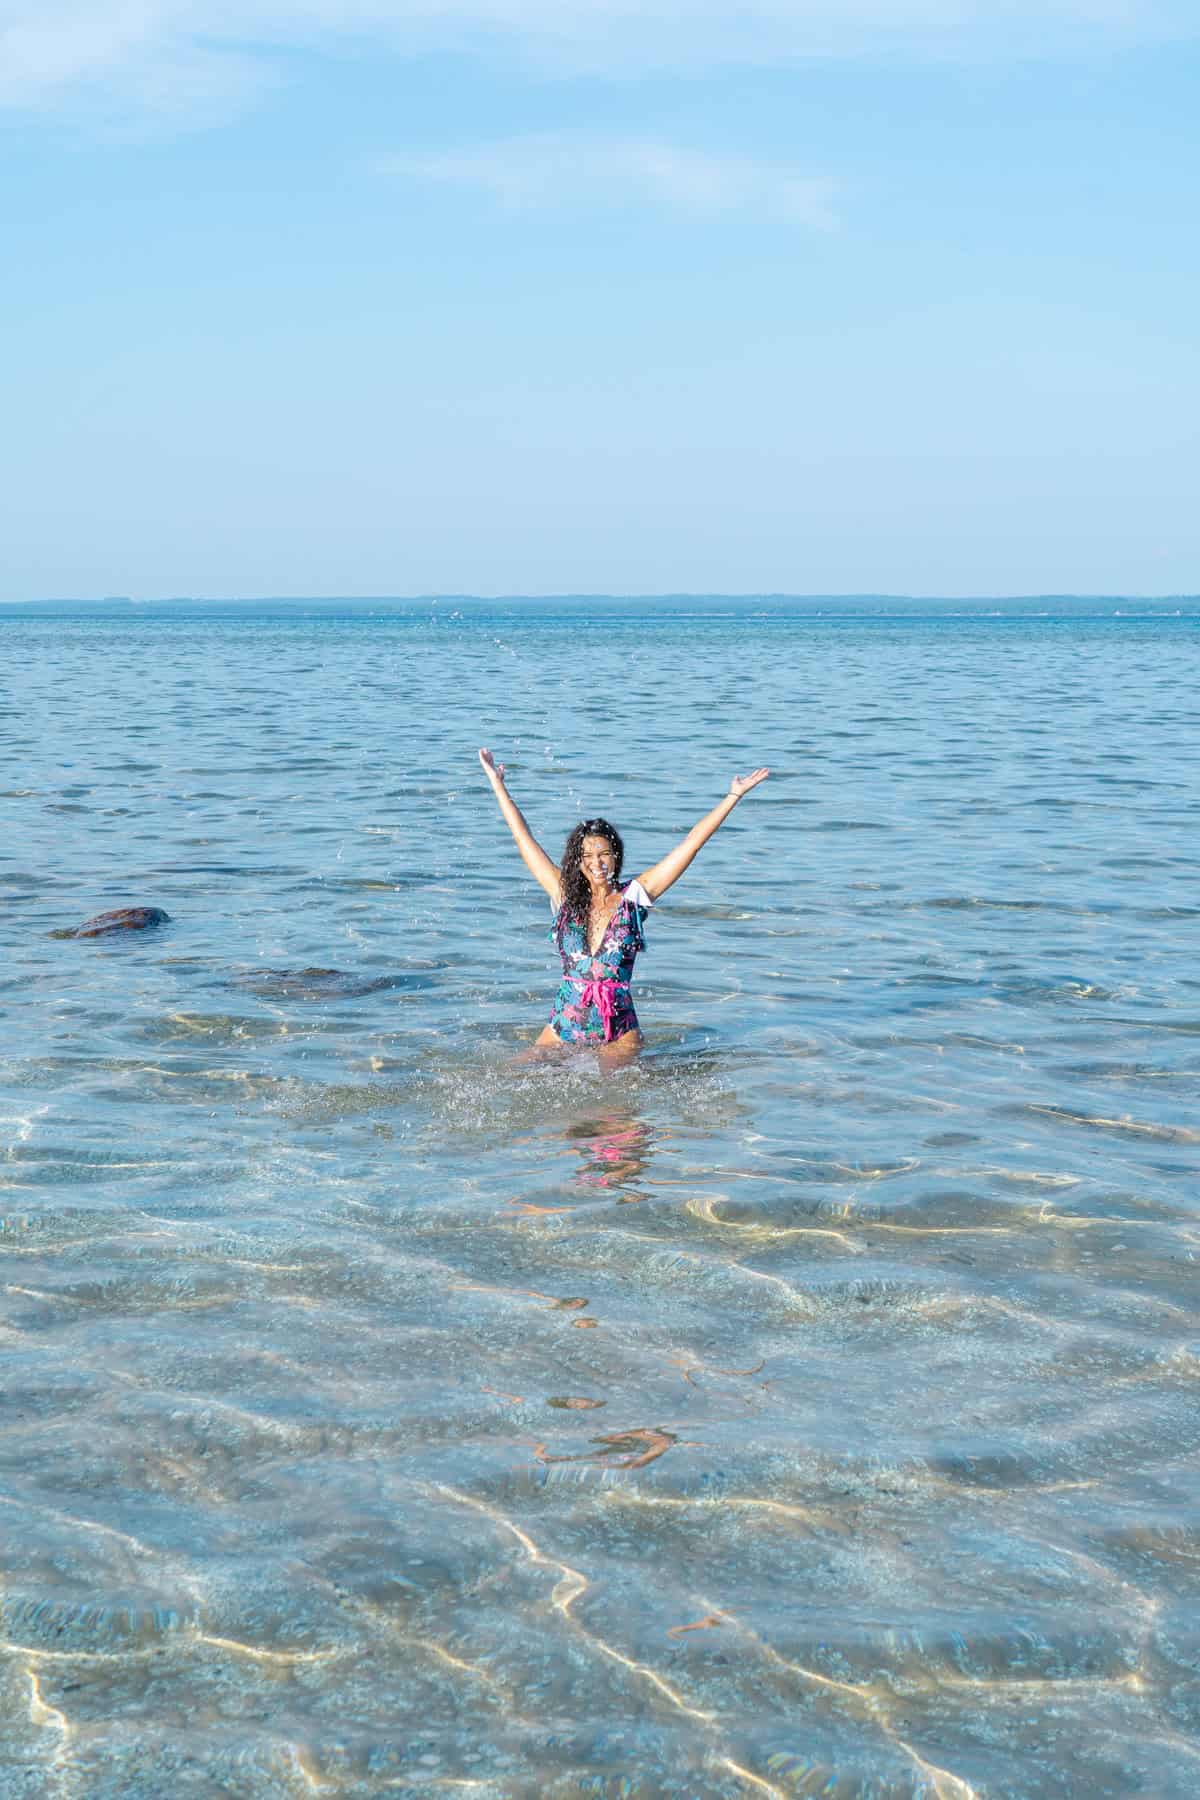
[{"x": 434, "y": 605}]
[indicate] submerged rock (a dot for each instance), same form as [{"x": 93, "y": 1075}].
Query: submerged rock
[
  {"x": 123, "y": 918},
  {"x": 322, "y": 984}
]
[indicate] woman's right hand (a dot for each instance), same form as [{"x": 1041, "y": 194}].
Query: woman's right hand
[{"x": 491, "y": 768}]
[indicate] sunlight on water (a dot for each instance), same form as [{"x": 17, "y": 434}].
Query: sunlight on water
[{"x": 808, "y": 1409}]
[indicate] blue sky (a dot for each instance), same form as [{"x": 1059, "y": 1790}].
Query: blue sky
[{"x": 500, "y": 296}]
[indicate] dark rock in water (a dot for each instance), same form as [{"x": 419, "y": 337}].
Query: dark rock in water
[
  {"x": 124, "y": 918},
  {"x": 322, "y": 984}
]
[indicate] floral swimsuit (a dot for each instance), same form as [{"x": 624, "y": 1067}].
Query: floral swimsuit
[{"x": 593, "y": 1003}]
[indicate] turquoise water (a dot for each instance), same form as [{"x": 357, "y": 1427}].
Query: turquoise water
[{"x": 809, "y": 1410}]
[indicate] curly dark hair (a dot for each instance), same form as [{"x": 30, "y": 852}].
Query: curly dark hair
[{"x": 573, "y": 883}]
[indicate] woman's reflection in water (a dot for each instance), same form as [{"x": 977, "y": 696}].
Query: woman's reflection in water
[{"x": 614, "y": 1148}]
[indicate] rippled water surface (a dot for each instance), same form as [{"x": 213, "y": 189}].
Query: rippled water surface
[{"x": 809, "y": 1410}]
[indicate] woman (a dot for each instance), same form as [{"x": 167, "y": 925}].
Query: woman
[{"x": 597, "y": 922}]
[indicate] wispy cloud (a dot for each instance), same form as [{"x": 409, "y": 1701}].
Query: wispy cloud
[
  {"x": 563, "y": 169},
  {"x": 151, "y": 55},
  {"x": 198, "y": 52}
]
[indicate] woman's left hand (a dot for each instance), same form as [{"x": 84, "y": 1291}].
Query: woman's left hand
[{"x": 741, "y": 784}]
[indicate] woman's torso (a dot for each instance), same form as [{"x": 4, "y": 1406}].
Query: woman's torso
[
  {"x": 613, "y": 957},
  {"x": 580, "y": 1010}
]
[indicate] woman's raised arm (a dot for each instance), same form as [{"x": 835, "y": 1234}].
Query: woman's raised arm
[
  {"x": 544, "y": 872},
  {"x": 664, "y": 874}
]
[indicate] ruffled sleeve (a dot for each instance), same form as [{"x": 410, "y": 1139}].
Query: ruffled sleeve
[{"x": 639, "y": 904}]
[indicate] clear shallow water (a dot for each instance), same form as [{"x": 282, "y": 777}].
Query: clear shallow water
[{"x": 810, "y": 1410}]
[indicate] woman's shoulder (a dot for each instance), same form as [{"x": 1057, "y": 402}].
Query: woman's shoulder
[{"x": 636, "y": 892}]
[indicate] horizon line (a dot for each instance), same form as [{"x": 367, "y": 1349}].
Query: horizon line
[{"x": 780, "y": 594}]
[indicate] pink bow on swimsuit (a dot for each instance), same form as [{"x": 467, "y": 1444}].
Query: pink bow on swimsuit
[{"x": 597, "y": 991}]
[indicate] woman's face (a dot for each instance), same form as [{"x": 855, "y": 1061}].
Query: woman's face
[{"x": 598, "y": 860}]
